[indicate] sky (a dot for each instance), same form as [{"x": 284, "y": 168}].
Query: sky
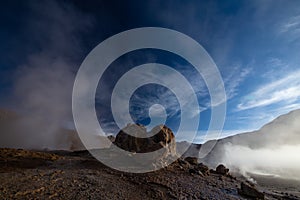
[{"x": 255, "y": 45}]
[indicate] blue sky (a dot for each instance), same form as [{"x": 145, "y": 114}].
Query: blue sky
[{"x": 255, "y": 45}]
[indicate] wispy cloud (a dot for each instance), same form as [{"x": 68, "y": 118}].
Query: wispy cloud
[
  {"x": 291, "y": 27},
  {"x": 276, "y": 67},
  {"x": 234, "y": 79},
  {"x": 158, "y": 95},
  {"x": 284, "y": 90}
]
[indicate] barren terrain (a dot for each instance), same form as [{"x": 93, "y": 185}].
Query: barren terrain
[{"x": 76, "y": 175}]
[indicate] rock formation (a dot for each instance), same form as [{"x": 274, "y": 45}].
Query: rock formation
[
  {"x": 192, "y": 160},
  {"x": 156, "y": 148},
  {"x": 250, "y": 191},
  {"x": 221, "y": 169},
  {"x": 133, "y": 138}
]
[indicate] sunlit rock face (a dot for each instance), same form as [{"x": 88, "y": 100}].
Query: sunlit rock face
[
  {"x": 164, "y": 136},
  {"x": 133, "y": 138}
]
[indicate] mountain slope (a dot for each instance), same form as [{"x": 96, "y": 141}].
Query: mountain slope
[{"x": 272, "y": 149}]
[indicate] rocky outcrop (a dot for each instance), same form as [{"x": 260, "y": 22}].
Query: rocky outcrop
[
  {"x": 195, "y": 167},
  {"x": 133, "y": 138},
  {"x": 142, "y": 149},
  {"x": 250, "y": 191},
  {"x": 164, "y": 137}
]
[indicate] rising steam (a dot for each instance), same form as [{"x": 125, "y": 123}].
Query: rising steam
[
  {"x": 273, "y": 150},
  {"x": 43, "y": 85}
]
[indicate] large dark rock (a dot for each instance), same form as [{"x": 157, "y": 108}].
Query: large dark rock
[
  {"x": 111, "y": 138},
  {"x": 221, "y": 169},
  {"x": 250, "y": 191},
  {"x": 163, "y": 137},
  {"x": 192, "y": 160},
  {"x": 203, "y": 169},
  {"x": 133, "y": 138}
]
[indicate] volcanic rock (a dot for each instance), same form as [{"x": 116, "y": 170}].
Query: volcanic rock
[
  {"x": 194, "y": 171},
  {"x": 221, "y": 169},
  {"x": 133, "y": 138},
  {"x": 250, "y": 191},
  {"x": 164, "y": 136},
  {"x": 192, "y": 160},
  {"x": 203, "y": 169},
  {"x": 111, "y": 138}
]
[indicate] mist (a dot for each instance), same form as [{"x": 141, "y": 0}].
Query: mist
[
  {"x": 273, "y": 150},
  {"x": 43, "y": 84},
  {"x": 281, "y": 162}
]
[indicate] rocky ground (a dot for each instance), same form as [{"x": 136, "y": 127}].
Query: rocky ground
[{"x": 77, "y": 175}]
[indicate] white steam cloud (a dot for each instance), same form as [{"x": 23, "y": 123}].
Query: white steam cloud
[
  {"x": 43, "y": 85},
  {"x": 272, "y": 150},
  {"x": 282, "y": 162}
]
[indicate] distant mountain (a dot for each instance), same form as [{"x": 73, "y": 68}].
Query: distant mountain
[
  {"x": 192, "y": 149},
  {"x": 284, "y": 130}
]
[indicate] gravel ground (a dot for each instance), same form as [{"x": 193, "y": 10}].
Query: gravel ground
[{"x": 67, "y": 175}]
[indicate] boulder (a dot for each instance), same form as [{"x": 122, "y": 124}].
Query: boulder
[
  {"x": 136, "y": 141},
  {"x": 111, "y": 138},
  {"x": 194, "y": 171},
  {"x": 203, "y": 169},
  {"x": 221, "y": 169},
  {"x": 163, "y": 137},
  {"x": 133, "y": 138},
  {"x": 191, "y": 160},
  {"x": 250, "y": 191},
  {"x": 183, "y": 164}
]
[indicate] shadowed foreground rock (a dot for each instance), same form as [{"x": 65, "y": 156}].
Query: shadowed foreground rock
[
  {"x": 221, "y": 169},
  {"x": 250, "y": 191}
]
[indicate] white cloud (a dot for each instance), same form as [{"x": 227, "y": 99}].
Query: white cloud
[
  {"x": 281, "y": 161},
  {"x": 276, "y": 67},
  {"x": 291, "y": 25},
  {"x": 285, "y": 90},
  {"x": 233, "y": 80},
  {"x": 291, "y": 28},
  {"x": 293, "y": 106},
  {"x": 272, "y": 149}
]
